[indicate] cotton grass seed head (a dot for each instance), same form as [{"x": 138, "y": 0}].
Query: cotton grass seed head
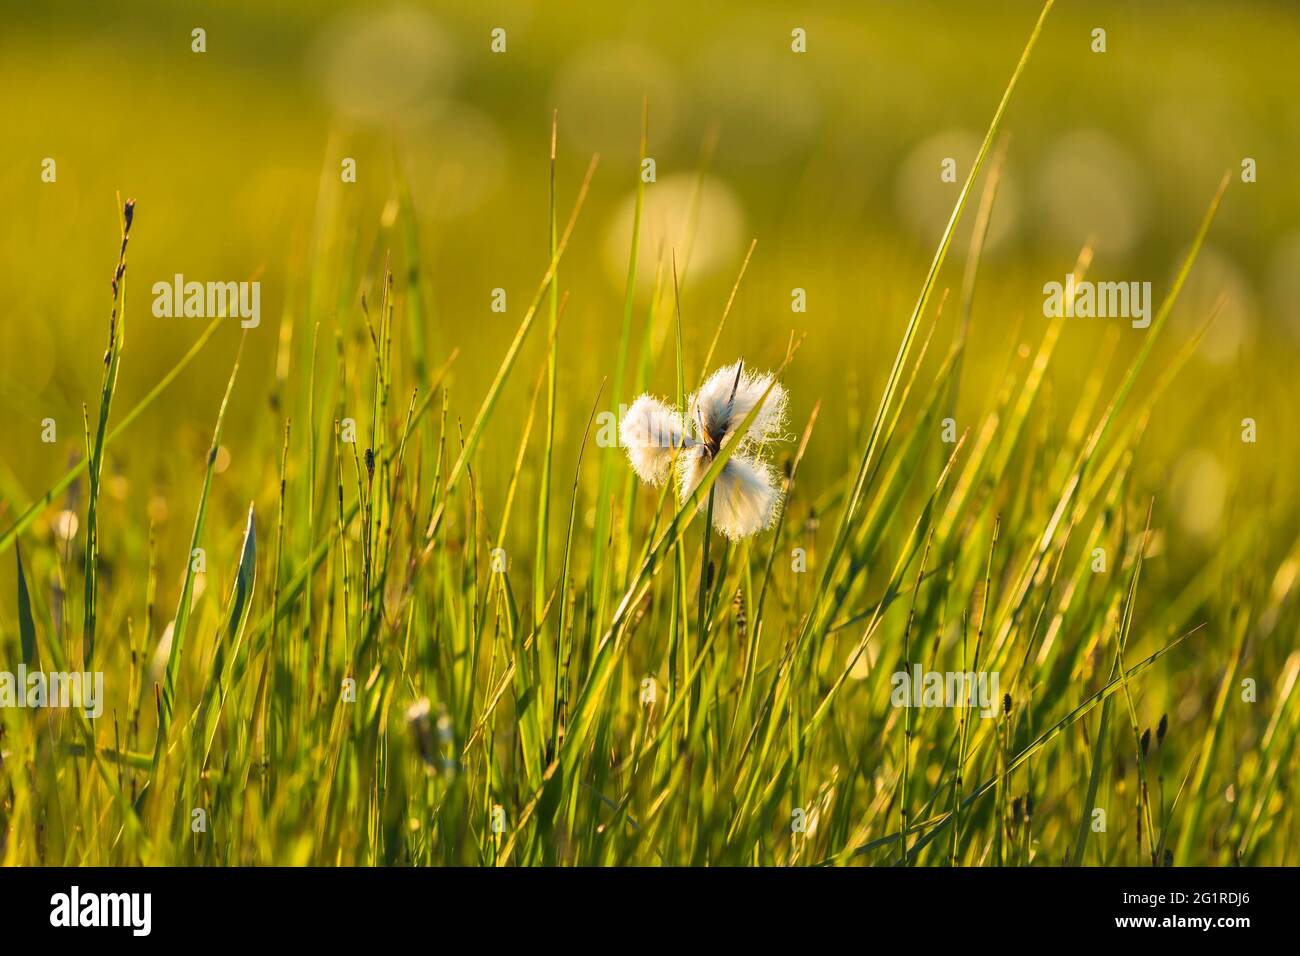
[
  {"x": 419, "y": 718},
  {"x": 746, "y": 495},
  {"x": 720, "y": 406},
  {"x": 652, "y": 433}
]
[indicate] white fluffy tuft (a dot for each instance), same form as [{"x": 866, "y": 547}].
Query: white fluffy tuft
[
  {"x": 720, "y": 414},
  {"x": 651, "y": 431},
  {"x": 745, "y": 496}
]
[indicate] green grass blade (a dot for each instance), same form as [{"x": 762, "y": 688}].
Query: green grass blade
[
  {"x": 183, "y": 609},
  {"x": 26, "y": 625}
]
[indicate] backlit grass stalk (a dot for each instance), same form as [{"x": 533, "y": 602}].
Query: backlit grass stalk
[
  {"x": 112, "y": 363},
  {"x": 183, "y": 610}
]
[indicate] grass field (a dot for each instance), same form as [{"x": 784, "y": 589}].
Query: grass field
[{"x": 373, "y": 581}]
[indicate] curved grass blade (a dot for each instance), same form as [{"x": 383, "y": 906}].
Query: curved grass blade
[
  {"x": 823, "y": 608},
  {"x": 241, "y": 598},
  {"x": 507, "y": 364},
  {"x": 26, "y": 625},
  {"x": 187, "y": 589}
]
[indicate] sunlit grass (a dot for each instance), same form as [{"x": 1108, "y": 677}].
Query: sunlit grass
[{"x": 385, "y": 659}]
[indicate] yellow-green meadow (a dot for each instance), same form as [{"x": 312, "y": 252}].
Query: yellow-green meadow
[{"x": 603, "y": 434}]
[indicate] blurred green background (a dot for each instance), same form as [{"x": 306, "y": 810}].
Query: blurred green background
[{"x": 829, "y": 160}]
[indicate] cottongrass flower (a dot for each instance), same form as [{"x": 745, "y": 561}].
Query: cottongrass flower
[
  {"x": 433, "y": 740},
  {"x": 420, "y": 719},
  {"x": 659, "y": 439}
]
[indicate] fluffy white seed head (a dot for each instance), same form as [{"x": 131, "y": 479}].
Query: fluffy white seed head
[
  {"x": 651, "y": 432},
  {"x": 728, "y": 395},
  {"x": 746, "y": 499},
  {"x": 746, "y": 495}
]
